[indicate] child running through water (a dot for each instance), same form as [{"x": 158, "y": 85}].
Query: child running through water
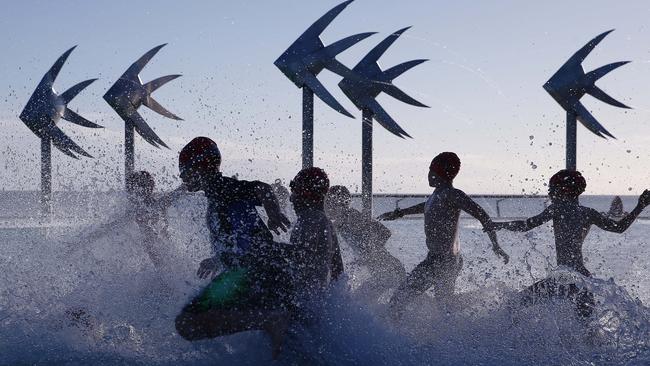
[
  {"x": 441, "y": 214},
  {"x": 571, "y": 224},
  {"x": 149, "y": 213},
  {"x": 368, "y": 238},
  {"x": 249, "y": 293},
  {"x": 317, "y": 260},
  {"x": 147, "y": 210}
]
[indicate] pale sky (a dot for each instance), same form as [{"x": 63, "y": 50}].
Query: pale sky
[{"x": 488, "y": 62}]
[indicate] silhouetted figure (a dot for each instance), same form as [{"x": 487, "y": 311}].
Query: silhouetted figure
[
  {"x": 248, "y": 293},
  {"x": 441, "y": 214},
  {"x": 368, "y": 238},
  {"x": 616, "y": 210},
  {"x": 318, "y": 260},
  {"x": 571, "y": 224},
  {"x": 149, "y": 213},
  {"x": 147, "y": 210}
]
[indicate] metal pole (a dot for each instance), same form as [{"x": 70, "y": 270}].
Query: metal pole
[
  {"x": 571, "y": 141},
  {"x": 307, "y": 127},
  {"x": 129, "y": 150},
  {"x": 46, "y": 176},
  {"x": 366, "y": 163}
]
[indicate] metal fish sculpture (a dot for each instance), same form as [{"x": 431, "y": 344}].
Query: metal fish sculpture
[
  {"x": 308, "y": 56},
  {"x": 364, "y": 91},
  {"x": 570, "y": 83},
  {"x": 128, "y": 94}
]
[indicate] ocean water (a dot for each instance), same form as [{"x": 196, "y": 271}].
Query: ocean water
[{"x": 68, "y": 299}]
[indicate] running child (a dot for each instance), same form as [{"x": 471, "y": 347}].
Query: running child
[
  {"x": 368, "y": 238},
  {"x": 441, "y": 214},
  {"x": 246, "y": 294},
  {"x": 571, "y": 224},
  {"x": 147, "y": 210},
  {"x": 317, "y": 261}
]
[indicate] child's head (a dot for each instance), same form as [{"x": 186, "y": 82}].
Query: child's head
[
  {"x": 198, "y": 159},
  {"x": 309, "y": 187},
  {"x": 443, "y": 169},
  {"x": 566, "y": 185},
  {"x": 338, "y": 199},
  {"x": 140, "y": 185}
]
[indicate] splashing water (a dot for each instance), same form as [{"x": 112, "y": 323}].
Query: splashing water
[{"x": 69, "y": 301}]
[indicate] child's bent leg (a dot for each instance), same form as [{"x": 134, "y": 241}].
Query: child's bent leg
[
  {"x": 445, "y": 280},
  {"x": 416, "y": 283},
  {"x": 385, "y": 270}
]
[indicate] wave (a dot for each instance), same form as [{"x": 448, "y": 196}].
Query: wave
[{"x": 68, "y": 300}]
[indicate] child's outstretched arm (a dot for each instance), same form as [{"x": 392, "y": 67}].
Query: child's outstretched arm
[
  {"x": 398, "y": 212},
  {"x": 524, "y": 225},
  {"x": 496, "y": 248},
  {"x": 167, "y": 199},
  {"x": 608, "y": 224},
  {"x": 277, "y": 220},
  {"x": 471, "y": 207}
]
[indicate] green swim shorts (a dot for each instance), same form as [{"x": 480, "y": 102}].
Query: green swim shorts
[{"x": 229, "y": 289}]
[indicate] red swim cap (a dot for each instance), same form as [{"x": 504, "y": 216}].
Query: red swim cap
[
  {"x": 446, "y": 165},
  {"x": 200, "y": 152},
  {"x": 310, "y": 184},
  {"x": 567, "y": 183}
]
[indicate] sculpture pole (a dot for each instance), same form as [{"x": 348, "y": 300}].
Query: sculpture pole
[
  {"x": 366, "y": 163},
  {"x": 363, "y": 90},
  {"x": 129, "y": 150},
  {"x": 307, "y": 128},
  {"x": 46, "y": 176},
  {"x": 571, "y": 141}
]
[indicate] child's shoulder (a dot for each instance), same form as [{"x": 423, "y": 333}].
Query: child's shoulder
[{"x": 456, "y": 193}]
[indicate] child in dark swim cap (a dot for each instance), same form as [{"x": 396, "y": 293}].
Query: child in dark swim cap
[
  {"x": 441, "y": 214},
  {"x": 571, "y": 224}
]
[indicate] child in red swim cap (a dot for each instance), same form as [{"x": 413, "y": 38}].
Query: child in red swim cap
[
  {"x": 248, "y": 293},
  {"x": 571, "y": 224},
  {"x": 318, "y": 259},
  {"x": 441, "y": 213}
]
